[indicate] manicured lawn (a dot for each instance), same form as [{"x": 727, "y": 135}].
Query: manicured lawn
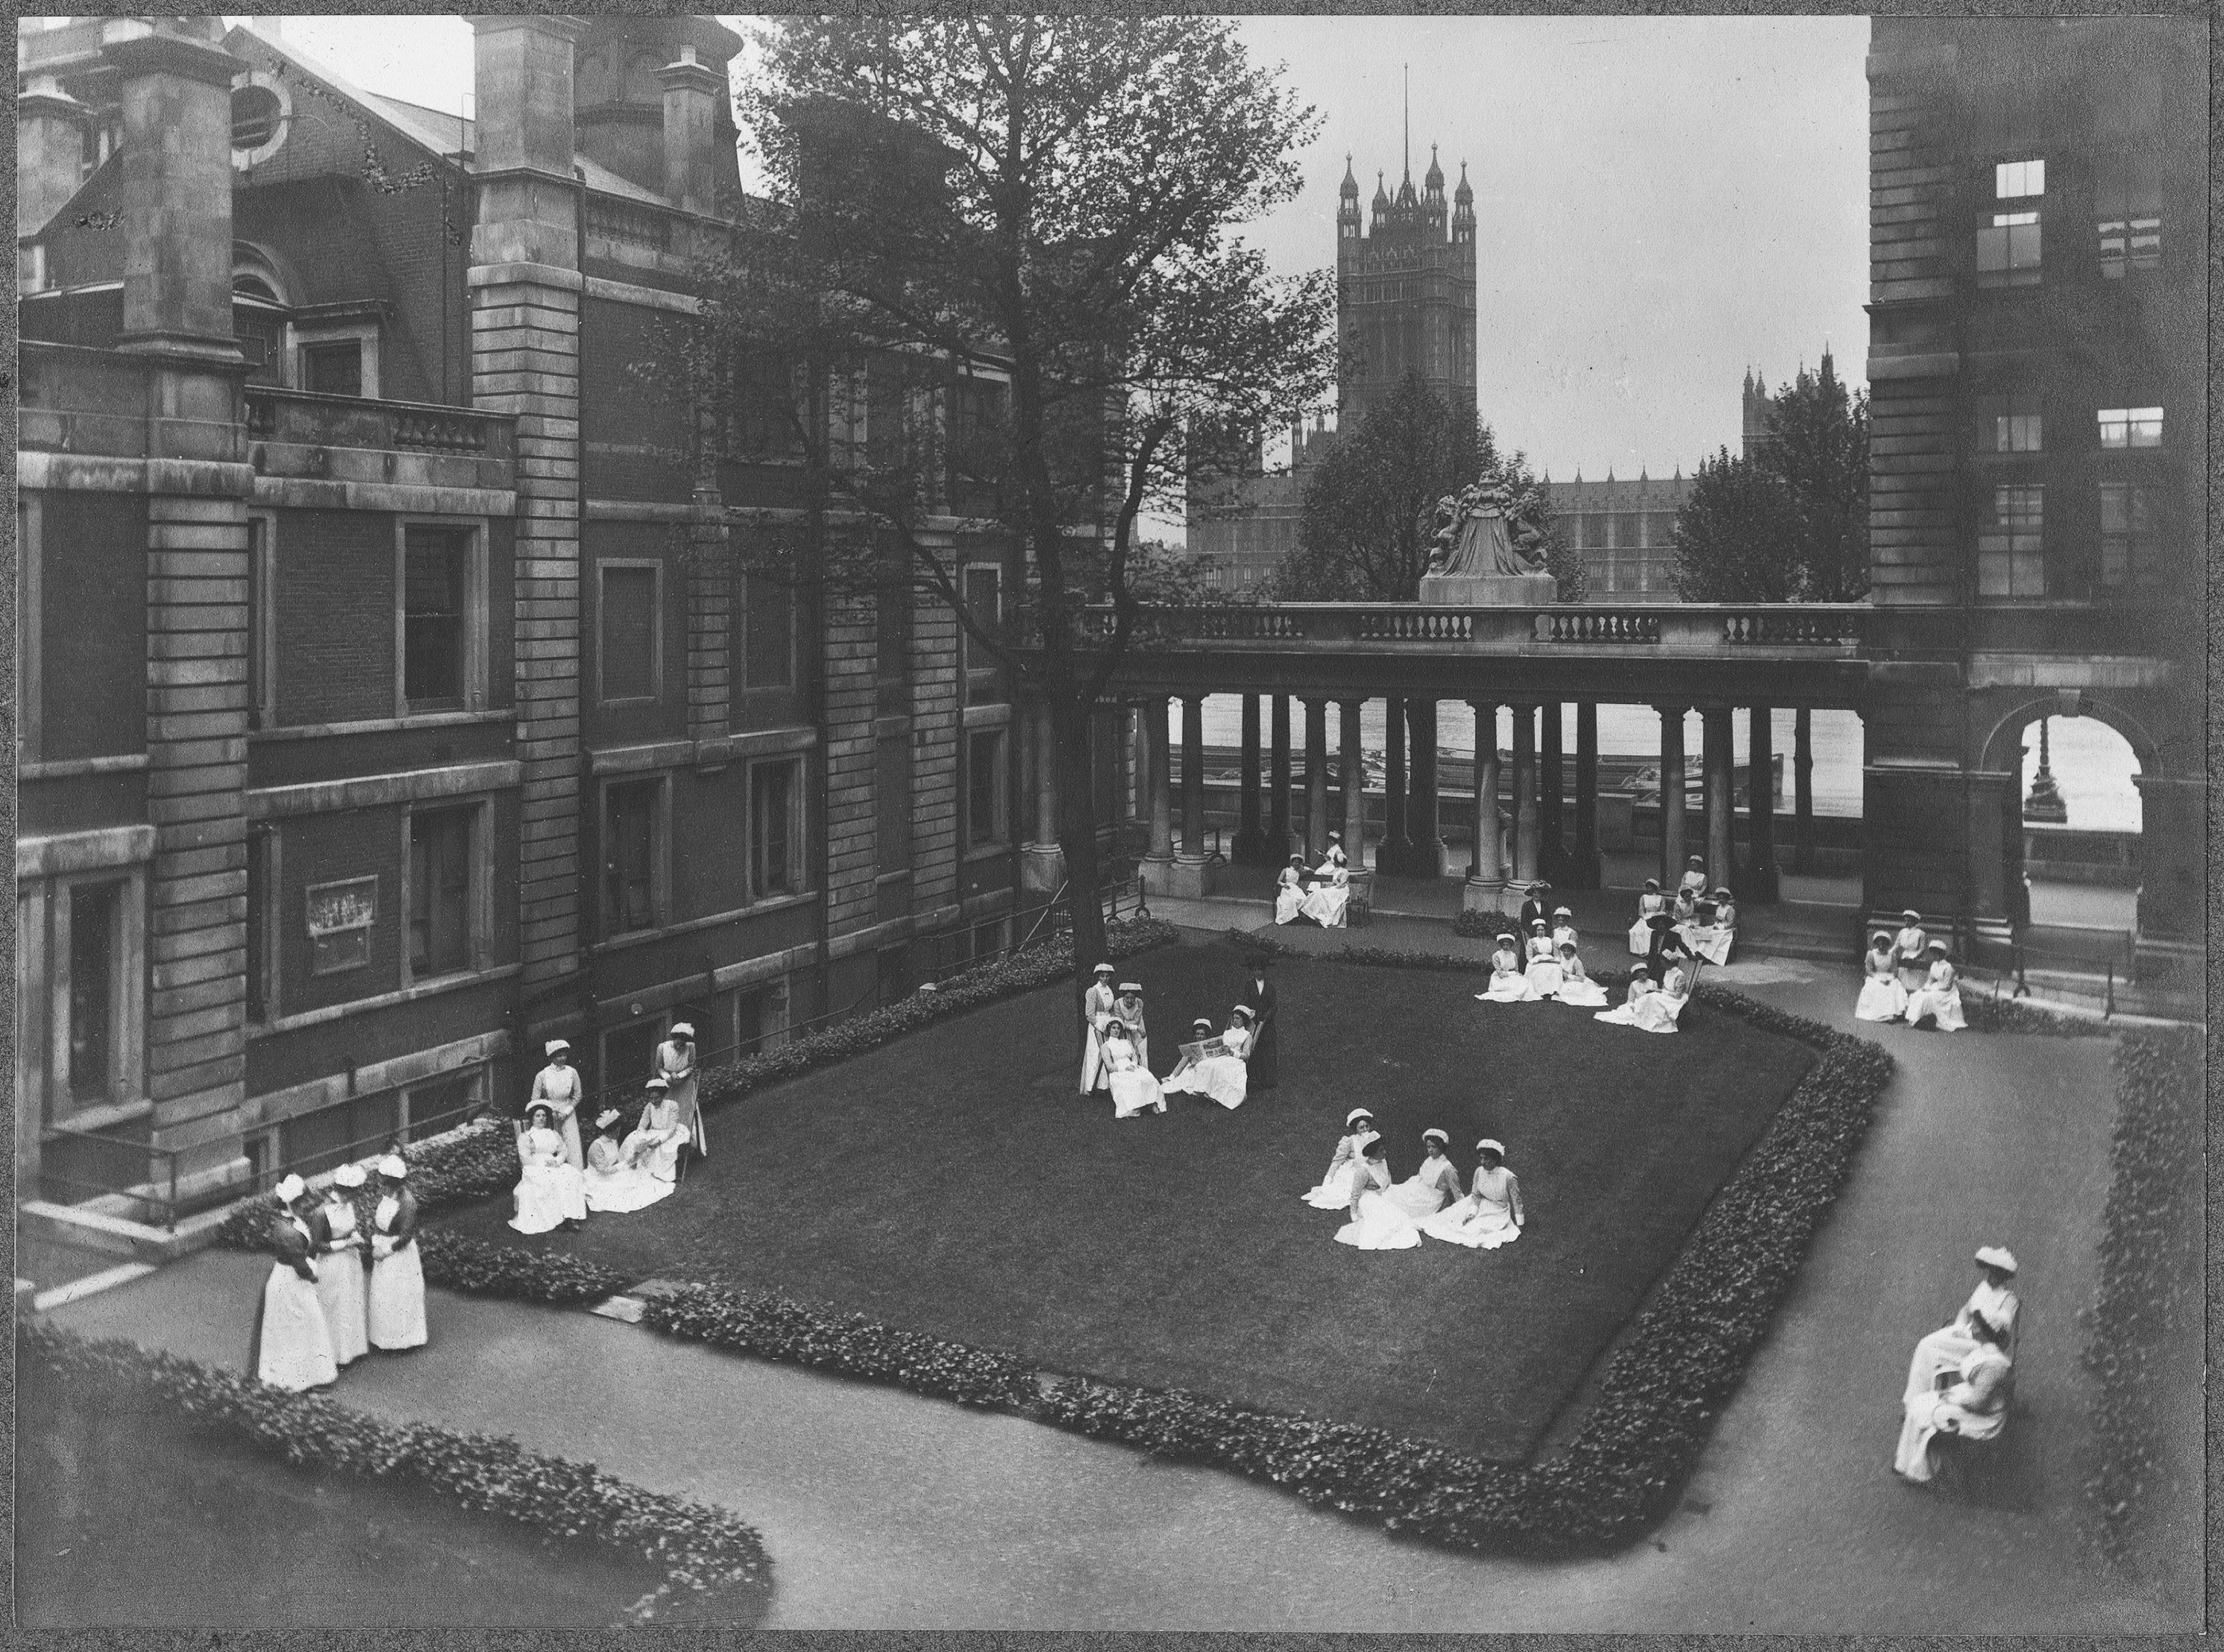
[{"x": 954, "y": 1184}]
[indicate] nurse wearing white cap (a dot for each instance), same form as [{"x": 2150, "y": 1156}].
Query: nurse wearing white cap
[
  {"x": 1491, "y": 1214},
  {"x": 1335, "y": 1191},
  {"x": 340, "y": 1285},
  {"x": 1387, "y": 1218},
  {"x": 1944, "y": 1349},
  {"x": 655, "y": 1143},
  {"x": 293, "y": 1346},
  {"x": 397, "y": 1274},
  {"x": 675, "y": 1064},
  {"x": 1098, "y": 1006},
  {"x": 557, "y": 1084}
]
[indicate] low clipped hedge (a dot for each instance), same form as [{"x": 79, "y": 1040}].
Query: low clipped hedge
[
  {"x": 2150, "y": 1298},
  {"x": 702, "y": 1551},
  {"x": 1661, "y": 1391},
  {"x": 480, "y": 1160}
]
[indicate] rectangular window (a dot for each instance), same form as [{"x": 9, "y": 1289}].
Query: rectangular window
[
  {"x": 2009, "y": 560},
  {"x": 334, "y": 369},
  {"x": 988, "y": 938},
  {"x": 309, "y": 1143},
  {"x": 2009, "y": 425},
  {"x": 2127, "y": 202},
  {"x": 984, "y": 606},
  {"x": 440, "y": 891},
  {"x": 2008, "y": 249},
  {"x": 753, "y": 1020},
  {"x": 629, "y": 855},
  {"x": 630, "y": 640},
  {"x": 2131, "y": 426},
  {"x": 775, "y": 840},
  {"x": 985, "y": 788},
  {"x": 340, "y": 917},
  {"x": 435, "y": 618},
  {"x": 94, "y": 914},
  {"x": 770, "y": 622},
  {"x": 262, "y": 680},
  {"x": 2127, "y": 535},
  {"x": 2013, "y": 180}
]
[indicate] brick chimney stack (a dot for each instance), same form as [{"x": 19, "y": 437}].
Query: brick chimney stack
[
  {"x": 176, "y": 201},
  {"x": 522, "y": 143}
]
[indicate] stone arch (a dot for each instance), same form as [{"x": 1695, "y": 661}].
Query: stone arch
[
  {"x": 2003, "y": 753},
  {"x": 2003, "y": 748}
]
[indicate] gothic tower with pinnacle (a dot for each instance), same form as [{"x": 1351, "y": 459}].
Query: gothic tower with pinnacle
[{"x": 1406, "y": 287}]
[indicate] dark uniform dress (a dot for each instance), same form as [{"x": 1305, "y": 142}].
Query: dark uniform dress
[{"x": 1265, "y": 1059}]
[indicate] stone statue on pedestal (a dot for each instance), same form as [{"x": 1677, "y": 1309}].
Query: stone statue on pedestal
[{"x": 1483, "y": 551}]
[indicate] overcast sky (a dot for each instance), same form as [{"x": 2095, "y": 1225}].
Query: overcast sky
[{"x": 1662, "y": 202}]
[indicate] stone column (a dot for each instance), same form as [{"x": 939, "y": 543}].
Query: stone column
[
  {"x": 1277, "y": 775},
  {"x": 1395, "y": 855},
  {"x": 1159, "y": 779},
  {"x": 175, "y": 208},
  {"x": 1486, "y": 870},
  {"x": 1672, "y": 852},
  {"x": 691, "y": 90},
  {"x": 1802, "y": 789},
  {"x": 1354, "y": 784},
  {"x": 1316, "y": 826},
  {"x": 1584, "y": 875},
  {"x": 1192, "y": 877},
  {"x": 1250, "y": 841},
  {"x": 1551, "y": 787},
  {"x": 1524, "y": 794},
  {"x": 1761, "y": 807},
  {"x": 1716, "y": 770},
  {"x": 525, "y": 290},
  {"x": 1423, "y": 822}
]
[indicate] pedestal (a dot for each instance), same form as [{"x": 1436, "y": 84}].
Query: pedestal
[
  {"x": 1489, "y": 589},
  {"x": 1483, "y": 894},
  {"x": 1188, "y": 880},
  {"x": 1042, "y": 867}
]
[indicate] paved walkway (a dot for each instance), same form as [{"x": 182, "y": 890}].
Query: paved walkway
[{"x": 886, "y": 1510}]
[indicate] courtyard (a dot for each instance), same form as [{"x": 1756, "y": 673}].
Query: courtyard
[{"x": 953, "y": 1183}]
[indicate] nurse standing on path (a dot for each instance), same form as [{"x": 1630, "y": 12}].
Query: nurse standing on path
[
  {"x": 293, "y": 1348},
  {"x": 340, "y": 1285},
  {"x": 397, "y": 1274}
]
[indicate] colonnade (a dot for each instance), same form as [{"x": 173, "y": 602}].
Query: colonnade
[{"x": 1536, "y": 842}]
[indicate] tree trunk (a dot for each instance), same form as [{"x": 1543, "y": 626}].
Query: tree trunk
[{"x": 1070, "y": 729}]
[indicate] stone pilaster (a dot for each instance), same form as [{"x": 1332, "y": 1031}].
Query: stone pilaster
[
  {"x": 196, "y": 1039},
  {"x": 934, "y": 719},
  {"x": 525, "y": 361},
  {"x": 709, "y": 623},
  {"x": 852, "y": 699}
]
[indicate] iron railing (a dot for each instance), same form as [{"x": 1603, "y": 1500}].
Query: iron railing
[{"x": 147, "y": 1181}]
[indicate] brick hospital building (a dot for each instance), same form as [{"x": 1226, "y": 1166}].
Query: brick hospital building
[{"x": 391, "y": 698}]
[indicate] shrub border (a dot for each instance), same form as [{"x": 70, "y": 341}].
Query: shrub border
[
  {"x": 2148, "y": 1284},
  {"x": 699, "y": 1547},
  {"x": 1684, "y": 1357}
]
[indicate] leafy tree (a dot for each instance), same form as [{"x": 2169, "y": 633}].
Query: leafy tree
[
  {"x": 1818, "y": 445},
  {"x": 1361, "y": 537},
  {"x": 995, "y": 280},
  {"x": 1733, "y": 535},
  {"x": 1806, "y": 539}
]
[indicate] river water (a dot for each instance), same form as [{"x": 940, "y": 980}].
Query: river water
[{"x": 2093, "y": 764}]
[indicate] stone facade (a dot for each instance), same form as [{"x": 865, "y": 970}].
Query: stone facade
[{"x": 365, "y": 743}]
